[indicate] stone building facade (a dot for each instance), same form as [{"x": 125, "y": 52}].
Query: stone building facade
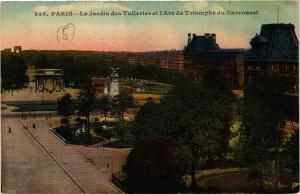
[
  {"x": 171, "y": 59},
  {"x": 274, "y": 51},
  {"x": 203, "y": 52}
]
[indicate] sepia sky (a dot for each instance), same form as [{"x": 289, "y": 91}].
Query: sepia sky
[{"x": 19, "y": 26}]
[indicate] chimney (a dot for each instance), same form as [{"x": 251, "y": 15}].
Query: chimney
[
  {"x": 213, "y": 35},
  {"x": 214, "y": 44},
  {"x": 189, "y": 38}
]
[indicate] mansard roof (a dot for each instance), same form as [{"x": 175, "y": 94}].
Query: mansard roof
[{"x": 275, "y": 42}]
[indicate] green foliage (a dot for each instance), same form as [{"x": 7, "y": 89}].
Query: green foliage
[
  {"x": 156, "y": 165},
  {"x": 72, "y": 62},
  {"x": 13, "y": 71},
  {"x": 202, "y": 123},
  {"x": 147, "y": 122},
  {"x": 214, "y": 79},
  {"x": 94, "y": 64},
  {"x": 200, "y": 115},
  {"x": 127, "y": 138},
  {"x": 197, "y": 115},
  {"x": 104, "y": 105},
  {"x": 86, "y": 101},
  {"x": 124, "y": 133},
  {"x": 121, "y": 102},
  {"x": 262, "y": 117},
  {"x": 290, "y": 154},
  {"x": 68, "y": 133},
  {"x": 64, "y": 106},
  {"x": 86, "y": 104}
]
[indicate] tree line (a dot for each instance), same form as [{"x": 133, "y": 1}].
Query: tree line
[
  {"x": 13, "y": 71},
  {"x": 78, "y": 66}
]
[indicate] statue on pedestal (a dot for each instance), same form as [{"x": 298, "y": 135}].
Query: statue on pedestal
[{"x": 114, "y": 81}]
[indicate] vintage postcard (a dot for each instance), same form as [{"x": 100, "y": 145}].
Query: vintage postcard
[{"x": 149, "y": 96}]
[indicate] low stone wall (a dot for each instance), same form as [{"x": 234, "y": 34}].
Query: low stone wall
[{"x": 59, "y": 137}]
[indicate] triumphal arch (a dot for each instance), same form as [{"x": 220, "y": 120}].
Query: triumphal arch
[{"x": 46, "y": 80}]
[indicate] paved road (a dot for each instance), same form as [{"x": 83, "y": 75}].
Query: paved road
[{"x": 26, "y": 168}]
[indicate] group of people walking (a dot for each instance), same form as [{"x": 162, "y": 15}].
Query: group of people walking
[{"x": 24, "y": 115}]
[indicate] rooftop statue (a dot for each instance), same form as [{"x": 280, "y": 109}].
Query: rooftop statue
[{"x": 114, "y": 71}]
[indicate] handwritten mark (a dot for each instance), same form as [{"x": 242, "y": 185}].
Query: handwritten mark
[{"x": 66, "y": 33}]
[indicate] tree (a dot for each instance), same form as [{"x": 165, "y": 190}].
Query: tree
[
  {"x": 13, "y": 71},
  {"x": 86, "y": 105},
  {"x": 196, "y": 114},
  {"x": 156, "y": 165},
  {"x": 290, "y": 154},
  {"x": 147, "y": 122},
  {"x": 127, "y": 137},
  {"x": 121, "y": 102},
  {"x": 262, "y": 121},
  {"x": 64, "y": 107},
  {"x": 123, "y": 130},
  {"x": 104, "y": 105},
  {"x": 201, "y": 114},
  {"x": 214, "y": 79}
]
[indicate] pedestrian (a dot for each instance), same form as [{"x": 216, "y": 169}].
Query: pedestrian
[
  {"x": 9, "y": 130},
  {"x": 26, "y": 127},
  {"x": 33, "y": 126},
  {"x": 46, "y": 117},
  {"x": 23, "y": 126}
]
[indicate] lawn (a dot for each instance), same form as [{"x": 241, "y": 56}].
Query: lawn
[
  {"x": 69, "y": 136},
  {"x": 231, "y": 182},
  {"x": 226, "y": 182},
  {"x": 147, "y": 87},
  {"x": 156, "y": 88},
  {"x": 141, "y": 98}
]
